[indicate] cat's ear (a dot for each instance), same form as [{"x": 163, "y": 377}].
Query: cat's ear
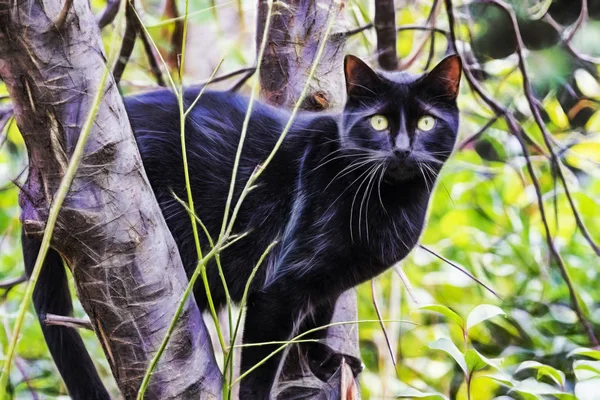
[
  {"x": 447, "y": 75},
  {"x": 361, "y": 80}
]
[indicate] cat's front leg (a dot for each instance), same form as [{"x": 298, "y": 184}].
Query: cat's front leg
[
  {"x": 270, "y": 317},
  {"x": 322, "y": 359}
]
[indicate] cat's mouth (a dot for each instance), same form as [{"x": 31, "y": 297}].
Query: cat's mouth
[{"x": 400, "y": 169}]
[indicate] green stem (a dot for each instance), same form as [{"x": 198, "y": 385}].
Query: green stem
[
  {"x": 253, "y": 93},
  {"x": 308, "y": 332},
  {"x": 245, "y": 296}
]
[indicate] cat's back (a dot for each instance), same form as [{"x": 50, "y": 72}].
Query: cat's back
[{"x": 157, "y": 113}]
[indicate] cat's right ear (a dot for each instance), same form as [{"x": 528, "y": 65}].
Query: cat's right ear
[{"x": 361, "y": 80}]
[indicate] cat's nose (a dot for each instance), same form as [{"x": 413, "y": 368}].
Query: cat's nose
[{"x": 401, "y": 154}]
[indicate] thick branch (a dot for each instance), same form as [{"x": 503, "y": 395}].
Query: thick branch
[
  {"x": 385, "y": 27},
  {"x": 296, "y": 28},
  {"x": 110, "y": 230}
]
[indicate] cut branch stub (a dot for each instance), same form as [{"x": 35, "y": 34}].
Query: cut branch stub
[{"x": 110, "y": 231}]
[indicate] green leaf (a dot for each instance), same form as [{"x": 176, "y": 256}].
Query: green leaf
[
  {"x": 530, "y": 389},
  {"x": 584, "y": 351},
  {"x": 499, "y": 377},
  {"x": 476, "y": 362},
  {"x": 482, "y": 313},
  {"x": 410, "y": 393},
  {"x": 446, "y": 312},
  {"x": 544, "y": 370},
  {"x": 585, "y": 369},
  {"x": 447, "y": 346}
]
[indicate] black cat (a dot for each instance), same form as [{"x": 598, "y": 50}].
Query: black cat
[{"x": 345, "y": 196}]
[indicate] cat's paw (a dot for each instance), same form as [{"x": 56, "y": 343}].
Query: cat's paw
[{"x": 324, "y": 361}]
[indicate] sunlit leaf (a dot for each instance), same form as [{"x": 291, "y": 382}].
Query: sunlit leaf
[
  {"x": 543, "y": 370},
  {"x": 476, "y": 362},
  {"x": 482, "y": 313},
  {"x": 410, "y": 393},
  {"x": 532, "y": 387},
  {"x": 447, "y": 346},
  {"x": 445, "y": 311},
  {"x": 586, "y": 369}
]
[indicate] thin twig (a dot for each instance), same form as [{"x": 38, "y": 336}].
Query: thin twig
[
  {"x": 10, "y": 283},
  {"x": 567, "y": 44},
  {"x": 419, "y": 48},
  {"x": 226, "y": 76},
  {"x": 154, "y": 65},
  {"x": 358, "y": 30},
  {"x": 400, "y": 29},
  {"x": 581, "y": 19},
  {"x": 477, "y": 134},
  {"x": 69, "y": 322},
  {"x": 464, "y": 271},
  {"x": 406, "y": 282},
  {"x": 383, "y": 328},
  {"x": 131, "y": 31},
  {"x": 431, "y": 18},
  {"x": 6, "y": 113},
  {"x": 238, "y": 85}
]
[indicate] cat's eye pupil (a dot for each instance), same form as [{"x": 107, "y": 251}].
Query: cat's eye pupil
[
  {"x": 426, "y": 123},
  {"x": 379, "y": 122}
]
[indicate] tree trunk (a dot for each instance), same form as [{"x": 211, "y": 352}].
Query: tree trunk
[
  {"x": 297, "y": 27},
  {"x": 110, "y": 229}
]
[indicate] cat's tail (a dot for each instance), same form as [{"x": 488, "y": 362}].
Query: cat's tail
[{"x": 52, "y": 296}]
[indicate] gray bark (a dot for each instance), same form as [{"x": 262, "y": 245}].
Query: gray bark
[
  {"x": 110, "y": 231},
  {"x": 295, "y": 33},
  {"x": 296, "y": 28}
]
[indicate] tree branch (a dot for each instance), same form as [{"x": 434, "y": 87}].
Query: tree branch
[
  {"x": 109, "y": 13},
  {"x": 385, "y": 28}
]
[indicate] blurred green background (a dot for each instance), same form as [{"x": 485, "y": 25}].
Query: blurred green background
[{"x": 484, "y": 216}]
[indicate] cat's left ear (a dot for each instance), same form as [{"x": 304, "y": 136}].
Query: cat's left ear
[
  {"x": 361, "y": 80},
  {"x": 447, "y": 74}
]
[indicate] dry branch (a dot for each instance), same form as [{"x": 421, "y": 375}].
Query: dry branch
[{"x": 110, "y": 230}]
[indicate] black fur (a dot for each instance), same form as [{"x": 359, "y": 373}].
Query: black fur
[{"x": 343, "y": 200}]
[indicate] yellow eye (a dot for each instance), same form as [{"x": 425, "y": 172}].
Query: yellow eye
[
  {"x": 426, "y": 123},
  {"x": 379, "y": 122}
]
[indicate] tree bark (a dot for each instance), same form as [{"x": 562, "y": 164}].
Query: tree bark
[
  {"x": 110, "y": 231},
  {"x": 385, "y": 28},
  {"x": 297, "y": 27}
]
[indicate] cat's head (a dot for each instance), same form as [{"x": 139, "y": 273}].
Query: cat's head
[{"x": 407, "y": 123}]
